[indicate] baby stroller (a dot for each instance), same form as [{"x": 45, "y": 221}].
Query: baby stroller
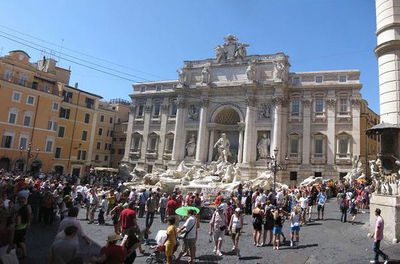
[{"x": 158, "y": 256}]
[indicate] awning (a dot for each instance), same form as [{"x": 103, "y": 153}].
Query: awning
[
  {"x": 105, "y": 169},
  {"x": 379, "y": 128}
]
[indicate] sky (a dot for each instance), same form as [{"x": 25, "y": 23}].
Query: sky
[{"x": 148, "y": 40}]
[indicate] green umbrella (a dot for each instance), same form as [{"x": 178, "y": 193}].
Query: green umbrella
[{"x": 182, "y": 211}]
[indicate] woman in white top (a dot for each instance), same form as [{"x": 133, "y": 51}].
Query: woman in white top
[
  {"x": 294, "y": 225},
  {"x": 235, "y": 226}
]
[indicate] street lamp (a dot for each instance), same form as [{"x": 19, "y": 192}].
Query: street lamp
[{"x": 274, "y": 166}]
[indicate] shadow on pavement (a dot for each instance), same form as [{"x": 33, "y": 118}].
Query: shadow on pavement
[
  {"x": 300, "y": 246},
  {"x": 250, "y": 258}
]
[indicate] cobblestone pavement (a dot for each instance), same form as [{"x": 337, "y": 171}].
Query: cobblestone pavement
[{"x": 327, "y": 241}]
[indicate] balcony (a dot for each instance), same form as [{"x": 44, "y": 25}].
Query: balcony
[{"x": 31, "y": 85}]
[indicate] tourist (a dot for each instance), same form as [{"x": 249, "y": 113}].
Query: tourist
[
  {"x": 268, "y": 223},
  {"x": 150, "y": 208},
  {"x": 65, "y": 250},
  {"x": 162, "y": 206},
  {"x": 310, "y": 203},
  {"x": 278, "y": 223},
  {"x": 71, "y": 220},
  {"x": 321, "y": 204},
  {"x": 353, "y": 210},
  {"x": 103, "y": 208},
  {"x": 115, "y": 213},
  {"x": 7, "y": 230},
  {"x": 294, "y": 226},
  {"x": 172, "y": 205},
  {"x": 235, "y": 227},
  {"x": 217, "y": 229},
  {"x": 303, "y": 208},
  {"x": 377, "y": 235},
  {"x": 189, "y": 238},
  {"x": 218, "y": 199},
  {"x": 257, "y": 217},
  {"x": 21, "y": 224},
  {"x": 111, "y": 253},
  {"x": 127, "y": 218},
  {"x": 171, "y": 240},
  {"x": 93, "y": 202},
  {"x": 130, "y": 242},
  {"x": 343, "y": 208},
  {"x": 111, "y": 201},
  {"x": 142, "y": 202}
]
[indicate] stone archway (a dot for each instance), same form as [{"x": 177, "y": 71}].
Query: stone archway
[
  {"x": 5, "y": 163},
  {"x": 226, "y": 120}
]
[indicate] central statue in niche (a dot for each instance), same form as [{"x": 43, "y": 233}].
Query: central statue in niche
[
  {"x": 223, "y": 147},
  {"x": 263, "y": 147}
]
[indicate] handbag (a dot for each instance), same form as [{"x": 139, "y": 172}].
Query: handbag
[{"x": 184, "y": 234}]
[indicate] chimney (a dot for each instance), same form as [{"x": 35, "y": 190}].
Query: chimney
[{"x": 76, "y": 85}]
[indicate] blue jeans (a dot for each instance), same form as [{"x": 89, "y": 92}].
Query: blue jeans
[
  {"x": 149, "y": 219},
  {"x": 378, "y": 251},
  {"x": 162, "y": 214},
  {"x": 343, "y": 218}
]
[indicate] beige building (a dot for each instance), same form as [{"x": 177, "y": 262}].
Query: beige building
[{"x": 313, "y": 119}]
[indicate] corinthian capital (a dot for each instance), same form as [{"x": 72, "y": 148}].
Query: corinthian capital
[
  {"x": 331, "y": 102},
  {"x": 355, "y": 102},
  {"x": 251, "y": 101},
  {"x": 306, "y": 103}
]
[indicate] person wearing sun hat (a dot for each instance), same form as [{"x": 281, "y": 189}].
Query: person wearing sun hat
[
  {"x": 217, "y": 228},
  {"x": 111, "y": 253}
]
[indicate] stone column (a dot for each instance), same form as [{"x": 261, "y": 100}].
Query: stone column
[
  {"x": 249, "y": 137},
  {"x": 128, "y": 141},
  {"x": 277, "y": 101},
  {"x": 202, "y": 136},
  {"x": 331, "y": 119},
  {"x": 240, "y": 150},
  {"x": 163, "y": 129},
  {"x": 178, "y": 153},
  {"x": 355, "y": 114},
  {"x": 211, "y": 145},
  {"x": 306, "y": 131},
  {"x": 146, "y": 127}
]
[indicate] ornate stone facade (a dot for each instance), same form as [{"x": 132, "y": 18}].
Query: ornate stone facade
[{"x": 260, "y": 105}]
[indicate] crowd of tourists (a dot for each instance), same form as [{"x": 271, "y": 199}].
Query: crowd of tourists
[{"x": 45, "y": 199}]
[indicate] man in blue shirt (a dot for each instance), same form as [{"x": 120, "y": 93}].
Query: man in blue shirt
[{"x": 321, "y": 203}]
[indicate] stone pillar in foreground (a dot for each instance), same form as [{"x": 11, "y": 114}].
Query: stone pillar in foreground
[
  {"x": 178, "y": 152},
  {"x": 249, "y": 135},
  {"x": 201, "y": 148}
]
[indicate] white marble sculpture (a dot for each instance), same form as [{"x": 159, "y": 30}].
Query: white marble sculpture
[
  {"x": 182, "y": 77},
  {"x": 357, "y": 171},
  {"x": 251, "y": 72},
  {"x": 223, "y": 147},
  {"x": 263, "y": 147},
  {"x": 386, "y": 182},
  {"x": 205, "y": 75},
  {"x": 220, "y": 53},
  {"x": 311, "y": 181},
  {"x": 280, "y": 71},
  {"x": 191, "y": 146}
]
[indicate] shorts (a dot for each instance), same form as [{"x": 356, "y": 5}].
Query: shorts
[
  {"x": 219, "y": 235},
  {"x": 320, "y": 207},
  {"x": 277, "y": 230},
  {"x": 257, "y": 226},
  {"x": 188, "y": 244},
  {"x": 235, "y": 234},
  {"x": 19, "y": 236},
  {"x": 92, "y": 208},
  {"x": 295, "y": 228}
]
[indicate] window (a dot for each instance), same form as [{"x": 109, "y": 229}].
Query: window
[
  {"x": 35, "y": 85},
  {"x": 57, "y": 155},
  {"x": 293, "y": 175},
  {"x": 294, "y": 146},
  {"x": 7, "y": 75},
  {"x": 319, "y": 106},
  {"x": 136, "y": 142},
  {"x": 67, "y": 96},
  {"x": 22, "y": 80},
  {"x": 112, "y": 151},
  {"x": 158, "y": 88},
  {"x": 101, "y": 118},
  {"x": 170, "y": 143},
  {"x": 89, "y": 102},
  {"x": 157, "y": 107},
  {"x": 105, "y": 158},
  {"x": 16, "y": 97},
  {"x": 30, "y": 100},
  {"x": 55, "y": 106},
  {"x": 295, "y": 107},
  {"x": 319, "y": 79},
  {"x": 318, "y": 174},
  {"x": 61, "y": 131},
  {"x": 96, "y": 157},
  {"x": 174, "y": 109},
  {"x": 7, "y": 140},
  {"x": 52, "y": 125},
  {"x": 100, "y": 131},
  {"x": 23, "y": 142},
  {"x": 296, "y": 81},
  {"x": 342, "y": 78},
  {"x": 84, "y": 135},
  {"x": 121, "y": 151},
  {"x": 152, "y": 144},
  {"x": 111, "y": 120},
  {"x": 343, "y": 105},
  {"x": 140, "y": 110},
  {"x": 64, "y": 113},
  {"x": 98, "y": 145},
  {"x": 319, "y": 147},
  {"x": 108, "y": 132},
  {"x": 87, "y": 118},
  {"x": 343, "y": 147},
  {"x": 81, "y": 155},
  {"x": 109, "y": 146},
  {"x": 27, "y": 119},
  {"x": 143, "y": 89},
  {"x": 13, "y": 115},
  {"x": 46, "y": 87},
  {"x": 49, "y": 145},
  {"x": 105, "y": 146}
]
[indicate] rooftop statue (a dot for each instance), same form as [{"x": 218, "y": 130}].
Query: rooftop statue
[{"x": 231, "y": 49}]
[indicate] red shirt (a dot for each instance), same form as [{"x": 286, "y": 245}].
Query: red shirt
[
  {"x": 115, "y": 254},
  {"x": 128, "y": 218},
  {"x": 172, "y": 205}
]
